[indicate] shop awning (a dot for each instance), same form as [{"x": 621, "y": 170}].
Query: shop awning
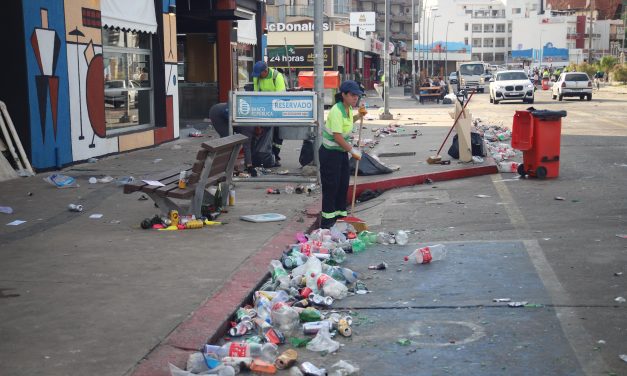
[
  {"x": 136, "y": 15},
  {"x": 247, "y": 31}
]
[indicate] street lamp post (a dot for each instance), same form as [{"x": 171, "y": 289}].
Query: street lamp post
[
  {"x": 413, "y": 50},
  {"x": 446, "y": 51},
  {"x": 432, "y": 42}
]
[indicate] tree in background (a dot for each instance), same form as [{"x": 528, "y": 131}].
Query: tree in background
[{"x": 607, "y": 63}]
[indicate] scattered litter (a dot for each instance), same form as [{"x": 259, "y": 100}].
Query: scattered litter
[
  {"x": 6, "y": 209},
  {"x": 601, "y": 342},
  {"x": 157, "y": 160},
  {"x": 260, "y": 218},
  {"x": 142, "y": 198},
  {"x": 381, "y": 266},
  {"x": 517, "y": 304},
  {"x": 618, "y": 274},
  {"x": 17, "y": 222},
  {"x": 622, "y": 236},
  {"x": 75, "y": 208},
  {"x": 93, "y": 180},
  {"x": 96, "y": 216},
  {"x": 558, "y": 198},
  {"x": 124, "y": 180},
  {"x": 61, "y": 181},
  {"x": 404, "y": 342},
  {"x": 176, "y": 147},
  {"x": 623, "y": 357},
  {"x": 477, "y": 159},
  {"x": 195, "y": 133},
  {"x": 501, "y": 300},
  {"x": 92, "y": 160},
  {"x": 154, "y": 183},
  {"x": 343, "y": 368},
  {"x": 620, "y": 299},
  {"x": 483, "y": 196}
]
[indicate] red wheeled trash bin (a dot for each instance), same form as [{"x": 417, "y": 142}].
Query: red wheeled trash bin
[
  {"x": 545, "y": 83},
  {"x": 537, "y": 133}
]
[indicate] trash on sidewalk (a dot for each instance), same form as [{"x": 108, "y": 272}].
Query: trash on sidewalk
[
  {"x": 501, "y": 300},
  {"x": 620, "y": 299},
  {"x": 75, "y": 208},
  {"x": 61, "y": 181},
  {"x": 17, "y": 222},
  {"x": 6, "y": 209},
  {"x": 426, "y": 255},
  {"x": 96, "y": 216},
  {"x": 517, "y": 304},
  {"x": 343, "y": 368},
  {"x": 380, "y": 266},
  {"x": 262, "y": 218}
]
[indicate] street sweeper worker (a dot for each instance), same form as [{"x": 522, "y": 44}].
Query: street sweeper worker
[
  {"x": 268, "y": 79},
  {"x": 335, "y": 151}
]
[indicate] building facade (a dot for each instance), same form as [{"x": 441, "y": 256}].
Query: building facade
[{"x": 90, "y": 77}]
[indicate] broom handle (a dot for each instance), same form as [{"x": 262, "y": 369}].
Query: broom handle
[
  {"x": 361, "y": 125},
  {"x": 455, "y": 123}
]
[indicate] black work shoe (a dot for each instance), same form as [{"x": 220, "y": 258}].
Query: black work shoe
[
  {"x": 276, "y": 164},
  {"x": 252, "y": 171}
]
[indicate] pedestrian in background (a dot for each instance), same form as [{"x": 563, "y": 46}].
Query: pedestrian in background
[
  {"x": 334, "y": 166},
  {"x": 268, "y": 79}
]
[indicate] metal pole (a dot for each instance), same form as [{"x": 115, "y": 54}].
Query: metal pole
[
  {"x": 289, "y": 68},
  {"x": 413, "y": 50},
  {"x": 432, "y": 43},
  {"x": 446, "y": 52},
  {"x": 592, "y": 6},
  {"x": 319, "y": 74},
  {"x": 386, "y": 115}
]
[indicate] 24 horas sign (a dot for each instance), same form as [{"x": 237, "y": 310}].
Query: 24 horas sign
[{"x": 298, "y": 57}]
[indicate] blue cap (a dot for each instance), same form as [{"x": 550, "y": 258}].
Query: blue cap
[
  {"x": 350, "y": 87},
  {"x": 259, "y": 67}
]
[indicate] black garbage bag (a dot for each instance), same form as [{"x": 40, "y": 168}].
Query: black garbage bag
[
  {"x": 306, "y": 153},
  {"x": 476, "y": 141},
  {"x": 368, "y": 166},
  {"x": 261, "y": 146}
]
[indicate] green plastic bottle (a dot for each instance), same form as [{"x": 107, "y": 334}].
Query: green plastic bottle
[{"x": 310, "y": 314}]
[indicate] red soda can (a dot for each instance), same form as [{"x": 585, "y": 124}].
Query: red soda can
[{"x": 305, "y": 292}]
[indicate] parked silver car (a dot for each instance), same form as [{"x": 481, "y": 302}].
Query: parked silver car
[{"x": 573, "y": 84}]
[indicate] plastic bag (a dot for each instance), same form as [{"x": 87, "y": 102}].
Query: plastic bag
[
  {"x": 343, "y": 368},
  {"x": 323, "y": 342},
  {"x": 196, "y": 363},
  {"x": 220, "y": 371},
  {"x": 313, "y": 265},
  {"x": 284, "y": 318},
  {"x": 61, "y": 181}
]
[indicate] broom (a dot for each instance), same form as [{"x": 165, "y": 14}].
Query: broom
[
  {"x": 436, "y": 159},
  {"x": 357, "y": 223}
]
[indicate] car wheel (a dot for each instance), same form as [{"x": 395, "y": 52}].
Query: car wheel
[
  {"x": 560, "y": 97},
  {"x": 530, "y": 101},
  {"x": 581, "y": 97},
  {"x": 589, "y": 97}
]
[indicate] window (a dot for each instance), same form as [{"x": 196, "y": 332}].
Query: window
[
  {"x": 499, "y": 42},
  {"x": 465, "y": 27},
  {"x": 476, "y": 42},
  {"x": 465, "y": 41},
  {"x": 244, "y": 64},
  {"x": 488, "y": 28},
  {"x": 128, "y": 80},
  {"x": 515, "y": 10},
  {"x": 488, "y": 42},
  {"x": 499, "y": 57},
  {"x": 476, "y": 28},
  {"x": 500, "y": 28},
  {"x": 509, "y": 27}
]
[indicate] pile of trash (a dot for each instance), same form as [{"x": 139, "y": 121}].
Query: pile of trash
[
  {"x": 293, "y": 308},
  {"x": 495, "y": 137}
]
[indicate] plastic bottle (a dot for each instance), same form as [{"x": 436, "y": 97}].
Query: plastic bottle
[
  {"x": 338, "y": 255},
  {"x": 267, "y": 351},
  {"x": 289, "y": 189},
  {"x": 427, "y": 254},
  {"x": 279, "y": 274},
  {"x": 508, "y": 166},
  {"x": 384, "y": 238},
  {"x": 331, "y": 287},
  {"x": 402, "y": 237},
  {"x": 341, "y": 274},
  {"x": 358, "y": 246}
]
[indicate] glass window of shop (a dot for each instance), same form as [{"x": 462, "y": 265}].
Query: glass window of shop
[
  {"x": 128, "y": 80},
  {"x": 245, "y": 61}
]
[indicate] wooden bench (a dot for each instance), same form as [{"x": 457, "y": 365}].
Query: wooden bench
[
  {"x": 213, "y": 165},
  {"x": 432, "y": 93}
]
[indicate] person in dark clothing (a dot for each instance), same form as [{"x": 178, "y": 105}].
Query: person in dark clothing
[{"x": 219, "y": 115}]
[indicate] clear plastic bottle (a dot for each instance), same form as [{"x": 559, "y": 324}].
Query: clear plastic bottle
[
  {"x": 508, "y": 166},
  {"x": 279, "y": 275},
  {"x": 427, "y": 254},
  {"x": 338, "y": 255},
  {"x": 402, "y": 237},
  {"x": 267, "y": 351},
  {"x": 331, "y": 287}
]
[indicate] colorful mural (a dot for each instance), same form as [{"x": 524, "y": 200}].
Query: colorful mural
[
  {"x": 548, "y": 54},
  {"x": 47, "y": 83},
  {"x": 66, "y": 83},
  {"x": 86, "y": 80}
]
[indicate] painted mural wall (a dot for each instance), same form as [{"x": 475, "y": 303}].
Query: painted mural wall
[{"x": 66, "y": 96}]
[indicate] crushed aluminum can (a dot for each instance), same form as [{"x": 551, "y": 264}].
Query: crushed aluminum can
[
  {"x": 381, "y": 266},
  {"x": 311, "y": 370},
  {"x": 321, "y": 300},
  {"x": 344, "y": 328},
  {"x": 314, "y": 327},
  {"x": 243, "y": 314},
  {"x": 75, "y": 208},
  {"x": 241, "y": 328},
  {"x": 516, "y": 304},
  {"x": 501, "y": 300},
  {"x": 286, "y": 359}
]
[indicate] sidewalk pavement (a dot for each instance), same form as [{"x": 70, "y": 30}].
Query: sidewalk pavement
[{"x": 102, "y": 296}]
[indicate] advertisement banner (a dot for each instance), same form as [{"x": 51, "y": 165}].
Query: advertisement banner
[
  {"x": 299, "y": 57},
  {"x": 294, "y": 107}
]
